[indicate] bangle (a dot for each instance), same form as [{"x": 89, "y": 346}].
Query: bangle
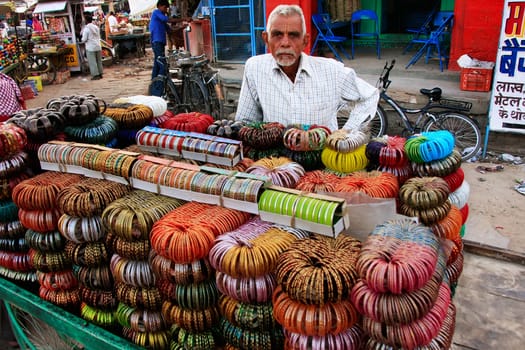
[
  {"x": 49, "y": 261},
  {"x": 461, "y": 195},
  {"x": 133, "y": 250},
  {"x": 98, "y": 298},
  {"x": 317, "y": 270},
  {"x": 429, "y": 146},
  {"x": 439, "y": 168},
  {"x": 16, "y": 261},
  {"x": 100, "y": 317},
  {"x": 140, "y": 320},
  {"x": 78, "y": 109},
  {"x": 68, "y": 299},
  {"x": 346, "y": 141},
  {"x": 158, "y": 105},
  {"x": 251, "y": 339},
  {"x": 191, "y": 320},
  {"x": 246, "y": 315},
  {"x": 262, "y": 135},
  {"x": 427, "y": 216},
  {"x": 20, "y": 276},
  {"x": 51, "y": 241},
  {"x": 247, "y": 289},
  {"x": 11, "y": 229},
  {"x": 80, "y": 229},
  {"x": 191, "y": 122},
  {"x": 317, "y": 181},
  {"x": 351, "y": 338},
  {"x": 424, "y": 192},
  {"x": 39, "y": 124},
  {"x": 398, "y": 256},
  {"x": 13, "y": 139},
  {"x": 13, "y": 165},
  {"x": 14, "y": 244},
  {"x": 455, "y": 179},
  {"x": 195, "y": 296},
  {"x": 100, "y": 131},
  {"x": 133, "y": 116},
  {"x": 184, "y": 339},
  {"x": 193, "y": 272},
  {"x": 313, "y": 320},
  {"x": 132, "y": 272},
  {"x": 347, "y": 162},
  {"x": 98, "y": 277},
  {"x": 149, "y": 340},
  {"x": 305, "y": 137},
  {"x": 7, "y": 185},
  {"x": 8, "y": 211},
  {"x": 88, "y": 254},
  {"x": 374, "y": 183},
  {"x": 139, "y": 297},
  {"x": 57, "y": 280},
  {"x": 281, "y": 171},
  {"x": 454, "y": 270}
]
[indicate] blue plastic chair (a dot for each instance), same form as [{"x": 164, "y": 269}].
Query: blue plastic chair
[
  {"x": 433, "y": 45},
  {"x": 424, "y": 30},
  {"x": 357, "y": 18},
  {"x": 323, "y": 24}
]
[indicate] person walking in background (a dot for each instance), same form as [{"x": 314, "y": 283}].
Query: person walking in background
[
  {"x": 91, "y": 38},
  {"x": 158, "y": 28}
]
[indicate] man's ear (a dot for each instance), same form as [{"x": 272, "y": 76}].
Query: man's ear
[
  {"x": 265, "y": 37},
  {"x": 306, "y": 39}
]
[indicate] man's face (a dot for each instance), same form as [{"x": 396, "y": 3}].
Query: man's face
[
  {"x": 164, "y": 8},
  {"x": 286, "y": 40}
]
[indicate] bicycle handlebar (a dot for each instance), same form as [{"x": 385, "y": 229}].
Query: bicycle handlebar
[{"x": 384, "y": 78}]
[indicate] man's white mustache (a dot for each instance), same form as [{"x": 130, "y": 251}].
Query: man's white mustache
[{"x": 285, "y": 52}]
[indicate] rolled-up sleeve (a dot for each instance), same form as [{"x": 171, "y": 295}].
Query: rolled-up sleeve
[{"x": 365, "y": 98}]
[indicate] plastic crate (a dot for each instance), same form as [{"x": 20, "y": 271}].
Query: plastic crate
[{"x": 475, "y": 79}]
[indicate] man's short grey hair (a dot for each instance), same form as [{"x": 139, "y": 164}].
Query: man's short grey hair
[{"x": 286, "y": 10}]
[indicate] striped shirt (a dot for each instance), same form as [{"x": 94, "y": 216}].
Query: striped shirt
[{"x": 322, "y": 87}]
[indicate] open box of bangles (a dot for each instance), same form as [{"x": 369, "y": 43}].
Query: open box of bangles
[
  {"x": 212, "y": 149},
  {"x": 161, "y": 141},
  {"x": 240, "y": 191},
  {"x": 313, "y": 212}
]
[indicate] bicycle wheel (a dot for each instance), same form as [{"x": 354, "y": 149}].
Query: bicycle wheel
[
  {"x": 160, "y": 87},
  {"x": 379, "y": 123},
  {"x": 195, "y": 96},
  {"x": 465, "y": 131}
]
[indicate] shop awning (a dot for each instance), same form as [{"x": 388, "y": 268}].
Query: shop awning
[
  {"x": 51, "y": 6},
  {"x": 139, "y": 7}
]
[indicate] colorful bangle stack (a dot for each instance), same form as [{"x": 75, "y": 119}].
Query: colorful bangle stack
[
  {"x": 88, "y": 254},
  {"x": 186, "y": 234},
  {"x": 190, "y": 122},
  {"x": 193, "y": 272},
  {"x": 305, "y": 137},
  {"x": 12, "y": 229},
  {"x": 425, "y": 198},
  {"x": 132, "y": 216},
  {"x": 346, "y": 162},
  {"x": 250, "y": 290},
  {"x": 135, "y": 250},
  {"x": 250, "y": 251},
  {"x": 100, "y": 131},
  {"x": 256, "y": 317},
  {"x": 351, "y": 338},
  {"x": 140, "y": 320},
  {"x": 13, "y": 164},
  {"x": 374, "y": 183},
  {"x": 129, "y": 116},
  {"x": 80, "y": 229},
  {"x": 148, "y": 340},
  {"x": 461, "y": 195},
  {"x": 68, "y": 299},
  {"x": 184, "y": 339},
  {"x": 193, "y": 320},
  {"x": 387, "y": 154},
  {"x": 39, "y": 124},
  {"x": 317, "y": 181},
  {"x": 261, "y": 135},
  {"x": 455, "y": 179},
  {"x": 78, "y": 109},
  {"x": 100, "y": 317},
  {"x": 196, "y": 296},
  {"x": 89, "y": 197},
  {"x": 317, "y": 270},
  {"x": 248, "y": 339},
  {"x": 158, "y": 105},
  {"x": 139, "y": 297},
  {"x": 133, "y": 272},
  {"x": 281, "y": 171},
  {"x": 430, "y": 146},
  {"x": 13, "y": 139},
  {"x": 440, "y": 168},
  {"x": 7, "y": 185}
]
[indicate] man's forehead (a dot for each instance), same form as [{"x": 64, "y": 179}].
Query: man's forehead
[{"x": 285, "y": 24}]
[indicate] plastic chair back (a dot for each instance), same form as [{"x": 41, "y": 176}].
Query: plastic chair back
[
  {"x": 356, "y": 18},
  {"x": 325, "y": 34}
]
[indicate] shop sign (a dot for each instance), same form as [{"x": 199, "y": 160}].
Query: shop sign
[
  {"x": 72, "y": 55},
  {"x": 507, "y": 104}
]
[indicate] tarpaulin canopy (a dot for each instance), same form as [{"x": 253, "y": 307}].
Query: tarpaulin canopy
[
  {"x": 51, "y": 6},
  {"x": 140, "y": 7}
]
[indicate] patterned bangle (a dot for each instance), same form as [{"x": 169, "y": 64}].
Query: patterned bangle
[
  {"x": 149, "y": 340},
  {"x": 50, "y": 261},
  {"x": 7, "y": 185},
  {"x": 138, "y": 297},
  {"x": 317, "y": 181},
  {"x": 88, "y": 254},
  {"x": 39, "y": 124},
  {"x": 19, "y": 276},
  {"x": 281, "y": 171},
  {"x": 439, "y": 168},
  {"x": 193, "y": 272},
  {"x": 305, "y": 137},
  {"x": 351, "y": 338},
  {"x": 140, "y": 320},
  {"x": 68, "y": 299},
  {"x": 98, "y": 277},
  {"x": 12, "y": 139},
  {"x": 98, "y": 298},
  {"x": 101, "y": 317},
  {"x": 261, "y": 135},
  {"x": 196, "y": 296},
  {"x": 191, "y": 320},
  {"x": 133, "y": 250},
  {"x": 427, "y": 216},
  {"x": 247, "y": 316},
  {"x": 127, "y": 116},
  {"x": 424, "y": 192},
  {"x": 247, "y": 289},
  {"x": 63, "y": 280},
  {"x": 251, "y": 339},
  {"x": 184, "y": 339},
  {"x": 374, "y": 183}
]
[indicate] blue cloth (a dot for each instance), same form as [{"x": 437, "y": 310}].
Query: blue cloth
[{"x": 158, "y": 27}]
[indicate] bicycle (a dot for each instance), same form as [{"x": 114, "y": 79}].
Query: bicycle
[
  {"x": 43, "y": 66},
  {"x": 192, "y": 87},
  {"x": 437, "y": 114}
]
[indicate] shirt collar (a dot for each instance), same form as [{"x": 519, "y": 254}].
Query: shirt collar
[{"x": 304, "y": 65}]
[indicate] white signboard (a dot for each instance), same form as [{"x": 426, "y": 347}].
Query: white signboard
[{"x": 507, "y": 105}]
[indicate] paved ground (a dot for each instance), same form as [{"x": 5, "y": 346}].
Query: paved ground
[{"x": 491, "y": 292}]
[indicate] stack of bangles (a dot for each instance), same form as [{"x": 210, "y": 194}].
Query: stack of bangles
[
  {"x": 134, "y": 250},
  {"x": 11, "y": 229},
  {"x": 7, "y": 185},
  {"x": 346, "y": 162},
  {"x": 192, "y": 272},
  {"x": 186, "y": 233},
  {"x": 398, "y": 256},
  {"x": 195, "y": 296},
  {"x": 89, "y": 254},
  {"x": 351, "y": 338},
  {"x": 51, "y": 241},
  {"x": 261, "y": 135},
  {"x": 281, "y": 171},
  {"x": 89, "y": 196},
  {"x": 250, "y": 251},
  {"x": 247, "y": 315},
  {"x": 388, "y": 151},
  {"x": 309, "y": 160},
  {"x": 39, "y": 124},
  {"x": 112, "y": 162},
  {"x": 439, "y": 168},
  {"x": 191, "y": 122},
  {"x": 130, "y": 116},
  {"x": 461, "y": 195},
  {"x": 98, "y": 298},
  {"x": 58, "y": 280},
  {"x": 318, "y": 269},
  {"x": 140, "y": 320},
  {"x": 454, "y": 270},
  {"x": 390, "y": 308},
  {"x": 98, "y": 277},
  {"x": 40, "y": 192},
  {"x": 158, "y": 105},
  {"x": 13, "y": 165},
  {"x": 424, "y": 192},
  {"x": 133, "y": 272},
  {"x": 20, "y": 276},
  {"x": 414, "y": 334},
  {"x": 428, "y": 216},
  {"x": 132, "y": 216},
  {"x": 374, "y": 183},
  {"x": 102, "y": 317},
  {"x": 163, "y": 140},
  {"x": 190, "y": 319},
  {"x": 139, "y": 297},
  {"x": 13, "y": 139},
  {"x": 313, "y": 320},
  {"x": 78, "y": 109},
  {"x": 99, "y": 131},
  {"x": 455, "y": 179},
  {"x": 251, "y": 290},
  {"x": 16, "y": 261},
  {"x": 49, "y": 261},
  {"x": 13, "y": 244},
  {"x": 242, "y": 338},
  {"x": 430, "y": 146},
  {"x": 66, "y": 298},
  {"x": 305, "y": 138},
  {"x": 8, "y": 211},
  {"x": 184, "y": 339},
  {"x": 317, "y": 181},
  {"x": 148, "y": 340},
  {"x": 81, "y": 229}
]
